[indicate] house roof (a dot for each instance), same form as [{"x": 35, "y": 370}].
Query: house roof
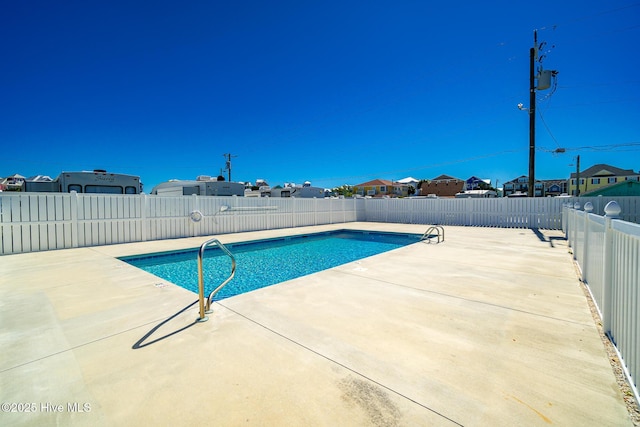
[
  {"x": 407, "y": 180},
  {"x": 602, "y": 169},
  {"x": 445, "y": 178},
  {"x": 623, "y": 188},
  {"x": 476, "y": 179},
  {"x": 442, "y": 188},
  {"x": 44, "y": 178},
  {"x": 515, "y": 180},
  {"x": 375, "y": 182},
  {"x": 553, "y": 181}
]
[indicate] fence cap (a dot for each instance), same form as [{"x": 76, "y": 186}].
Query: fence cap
[
  {"x": 612, "y": 210},
  {"x": 588, "y": 207},
  {"x": 576, "y": 205}
]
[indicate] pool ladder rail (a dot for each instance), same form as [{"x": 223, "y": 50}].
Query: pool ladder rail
[
  {"x": 206, "y": 308},
  {"x": 429, "y": 234}
]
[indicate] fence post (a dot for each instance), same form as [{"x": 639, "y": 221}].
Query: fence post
[
  {"x": 570, "y": 227},
  {"x": 143, "y": 217},
  {"x": 612, "y": 211},
  {"x": 74, "y": 219},
  {"x": 576, "y": 207},
  {"x": 588, "y": 208}
]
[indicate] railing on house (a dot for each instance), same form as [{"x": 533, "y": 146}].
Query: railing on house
[{"x": 607, "y": 250}]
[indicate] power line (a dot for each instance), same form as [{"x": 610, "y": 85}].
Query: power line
[
  {"x": 629, "y": 82},
  {"x": 585, "y": 17},
  {"x": 547, "y": 128},
  {"x": 627, "y": 146}
]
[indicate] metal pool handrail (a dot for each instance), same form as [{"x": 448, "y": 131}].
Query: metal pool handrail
[
  {"x": 204, "y": 318},
  {"x": 427, "y": 234}
]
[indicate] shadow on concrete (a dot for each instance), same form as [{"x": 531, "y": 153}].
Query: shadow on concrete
[
  {"x": 540, "y": 235},
  {"x": 141, "y": 342}
]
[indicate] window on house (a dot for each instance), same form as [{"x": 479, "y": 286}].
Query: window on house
[
  {"x": 383, "y": 188},
  {"x": 612, "y": 180},
  {"x": 595, "y": 180}
]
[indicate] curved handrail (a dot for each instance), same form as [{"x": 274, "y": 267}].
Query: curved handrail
[
  {"x": 427, "y": 234},
  {"x": 204, "y": 318}
]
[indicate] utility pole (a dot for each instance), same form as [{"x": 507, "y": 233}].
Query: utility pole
[
  {"x": 544, "y": 78},
  {"x": 532, "y": 116},
  {"x": 577, "y": 176},
  {"x": 228, "y": 157}
]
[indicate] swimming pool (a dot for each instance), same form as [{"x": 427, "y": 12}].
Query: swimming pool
[{"x": 262, "y": 263}]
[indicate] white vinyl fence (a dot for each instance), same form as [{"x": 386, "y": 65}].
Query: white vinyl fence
[
  {"x": 543, "y": 212},
  {"x": 608, "y": 253},
  {"x": 497, "y": 212},
  {"x": 32, "y": 222},
  {"x": 43, "y": 221}
]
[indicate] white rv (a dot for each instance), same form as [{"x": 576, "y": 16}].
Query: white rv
[
  {"x": 96, "y": 181},
  {"x": 203, "y": 185}
]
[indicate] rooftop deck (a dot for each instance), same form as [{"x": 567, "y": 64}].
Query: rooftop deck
[{"x": 490, "y": 327}]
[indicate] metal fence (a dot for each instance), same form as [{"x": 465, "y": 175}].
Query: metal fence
[{"x": 607, "y": 250}]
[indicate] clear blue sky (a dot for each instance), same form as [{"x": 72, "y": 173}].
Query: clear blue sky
[{"x": 331, "y": 91}]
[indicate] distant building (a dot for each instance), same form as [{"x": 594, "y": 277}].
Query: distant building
[
  {"x": 40, "y": 178},
  {"x": 475, "y": 183},
  {"x": 477, "y": 194},
  {"x": 520, "y": 186},
  {"x": 442, "y": 186},
  {"x": 599, "y": 176},
  {"x": 12, "y": 183},
  {"x": 409, "y": 181},
  {"x": 381, "y": 188},
  {"x": 543, "y": 188},
  {"x": 554, "y": 187}
]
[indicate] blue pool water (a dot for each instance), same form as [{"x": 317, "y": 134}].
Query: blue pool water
[{"x": 267, "y": 262}]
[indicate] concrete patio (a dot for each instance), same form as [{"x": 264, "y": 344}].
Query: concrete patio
[{"x": 489, "y": 328}]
